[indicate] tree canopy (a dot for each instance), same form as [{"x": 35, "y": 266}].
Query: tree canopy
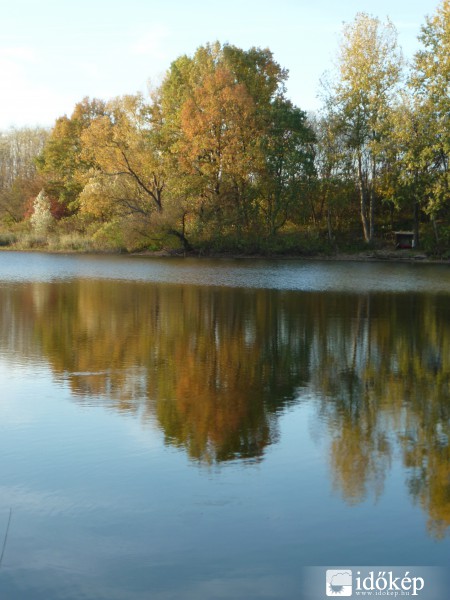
[{"x": 218, "y": 157}]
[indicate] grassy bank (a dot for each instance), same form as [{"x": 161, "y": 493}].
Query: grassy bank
[
  {"x": 299, "y": 245},
  {"x": 81, "y": 234}
]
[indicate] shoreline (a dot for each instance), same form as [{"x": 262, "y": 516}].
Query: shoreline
[{"x": 392, "y": 256}]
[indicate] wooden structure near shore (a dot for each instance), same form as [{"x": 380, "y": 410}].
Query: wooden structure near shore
[{"x": 404, "y": 239}]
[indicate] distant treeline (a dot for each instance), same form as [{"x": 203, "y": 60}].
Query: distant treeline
[{"x": 217, "y": 158}]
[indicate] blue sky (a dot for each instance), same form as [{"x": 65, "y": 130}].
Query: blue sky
[{"x": 55, "y": 52}]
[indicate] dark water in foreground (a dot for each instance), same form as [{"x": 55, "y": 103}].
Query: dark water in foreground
[{"x": 203, "y": 429}]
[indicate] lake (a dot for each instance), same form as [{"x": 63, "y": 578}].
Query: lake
[{"x": 203, "y": 429}]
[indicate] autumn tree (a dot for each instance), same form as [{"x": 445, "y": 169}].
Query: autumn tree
[
  {"x": 368, "y": 74},
  {"x": 230, "y": 130},
  {"x": 218, "y": 147},
  {"x": 60, "y": 162},
  {"x": 208, "y": 129},
  {"x": 19, "y": 181},
  {"x": 118, "y": 145},
  {"x": 127, "y": 178}
]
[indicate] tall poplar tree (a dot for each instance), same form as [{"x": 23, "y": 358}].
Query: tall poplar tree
[{"x": 369, "y": 69}]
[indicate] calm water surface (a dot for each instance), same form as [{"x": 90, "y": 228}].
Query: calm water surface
[{"x": 200, "y": 430}]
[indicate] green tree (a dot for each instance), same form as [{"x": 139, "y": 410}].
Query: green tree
[
  {"x": 288, "y": 151},
  {"x": 407, "y": 173},
  {"x": 430, "y": 81},
  {"x": 334, "y": 182},
  {"x": 361, "y": 98}
]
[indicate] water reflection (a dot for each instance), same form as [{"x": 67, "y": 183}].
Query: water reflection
[{"x": 213, "y": 367}]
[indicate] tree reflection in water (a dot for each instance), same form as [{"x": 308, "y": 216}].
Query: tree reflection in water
[{"x": 213, "y": 367}]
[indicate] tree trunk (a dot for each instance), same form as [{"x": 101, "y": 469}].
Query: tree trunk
[
  {"x": 372, "y": 201},
  {"x": 330, "y": 233},
  {"x": 435, "y": 229},
  {"x": 364, "y": 202},
  {"x": 372, "y": 196},
  {"x": 186, "y": 245},
  {"x": 371, "y": 215},
  {"x": 416, "y": 238}
]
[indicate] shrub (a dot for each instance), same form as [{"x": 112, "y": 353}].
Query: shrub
[
  {"x": 6, "y": 239},
  {"x": 41, "y": 219}
]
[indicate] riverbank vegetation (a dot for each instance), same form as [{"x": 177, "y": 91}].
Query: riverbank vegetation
[{"x": 218, "y": 159}]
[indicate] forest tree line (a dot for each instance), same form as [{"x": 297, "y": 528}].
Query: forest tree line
[{"x": 217, "y": 158}]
